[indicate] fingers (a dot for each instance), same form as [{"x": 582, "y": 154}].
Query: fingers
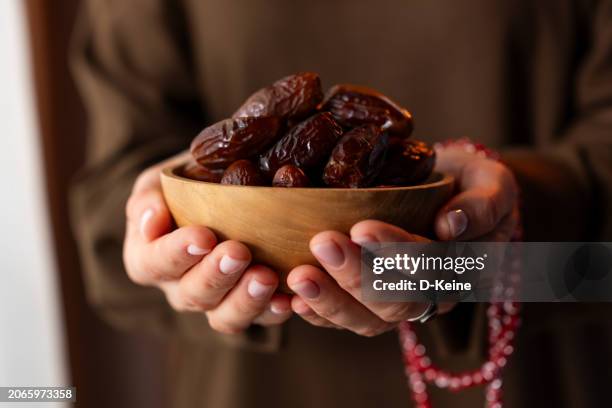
[
  {"x": 204, "y": 285},
  {"x": 341, "y": 256},
  {"x": 148, "y": 216},
  {"x": 168, "y": 257},
  {"x": 151, "y": 252},
  {"x": 372, "y": 231},
  {"x": 471, "y": 214},
  {"x": 451, "y": 159},
  {"x": 193, "y": 275},
  {"x": 245, "y": 302},
  {"x": 488, "y": 195},
  {"x": 277, "y": 312},
  {"x": 504, "y": 231},
  {"x": 325, "y": 297},
  {"x": 233, "y": 298},
  {"x": 348, "y": 273},
  {"x": 300, "y": 307},
  {"x": 146, "y": 208}
]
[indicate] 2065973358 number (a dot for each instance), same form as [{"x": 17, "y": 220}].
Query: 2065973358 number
[{"x": 38, "y": 394}]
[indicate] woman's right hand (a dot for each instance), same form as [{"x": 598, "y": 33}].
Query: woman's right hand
[{"x": 195, "y": 273}]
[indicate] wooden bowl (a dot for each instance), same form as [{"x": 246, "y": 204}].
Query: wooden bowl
[{"x": 278, "y": 223}]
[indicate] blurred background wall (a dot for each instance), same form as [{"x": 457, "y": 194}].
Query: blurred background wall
[
  {"x": 48, "y": 333},
  {"x": 32, "y": 346}
]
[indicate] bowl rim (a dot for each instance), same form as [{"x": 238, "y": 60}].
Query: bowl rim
[{"x": 170, "y": 172}]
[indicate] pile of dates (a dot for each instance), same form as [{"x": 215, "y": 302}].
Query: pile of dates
[{"x": 291, "y": 135}]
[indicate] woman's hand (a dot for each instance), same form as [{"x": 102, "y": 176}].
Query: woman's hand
[
  {"x": 486, "y": 205},
  {"x": 195, "y": 273},
  {"x": 485, "y": 208}
]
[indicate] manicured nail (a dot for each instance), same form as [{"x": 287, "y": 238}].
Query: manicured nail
[
  {"x": 229, "y": 265},
  {"x": 364, "y": 240},
  {"x": 457, "y": 222},
  {"x": 258, "y": 290},
  {"x": 307, "y": 289},
  {"x": 144, "y": 220},
  {"x": 196, "y": 250},
  {"x": 329, "y": 253},
  {"x": 277, "y": 310}
]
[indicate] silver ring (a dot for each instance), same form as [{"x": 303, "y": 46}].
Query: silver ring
[{"x": 430, "y": 312}]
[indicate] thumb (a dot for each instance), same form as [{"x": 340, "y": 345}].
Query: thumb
[
  {"x": 472, "y": 214},
  {"x": 148, "y": 216},
  {"x": 370, "y": 231}
]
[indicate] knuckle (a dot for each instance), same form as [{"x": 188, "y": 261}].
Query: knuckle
[
  {"x": 248, "y": 307},
  {"x": 176, "y": 262},
  {"x": 352, "y": 282},
  {"x": 476, "y": 168},
  {"x": 175, "y": 303},
  {"x": 155, "y": 274},
  {"x": 223, "y": 327},
  {"x": 332, "y": 311},
  {"x": 193, "y": 299},
  {"x": 138, "y": 274},
  {"x": 215, "y": 284},
  {"x": 397, "y": 312}
]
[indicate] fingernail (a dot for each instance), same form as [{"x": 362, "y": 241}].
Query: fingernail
[
  {"x": 258, "y": 290},
  {"x": 196, "y": 250},
  {"x": 364, "y": 240},
  {"x": 229, "y": 265},
  {"x": 277, "y": 310},
  {"x": 329, "y": 253},
  {"x": 307, "y": 289},
  {"x": 457, "y": 222},
  {"x": 144, "y": 220}
]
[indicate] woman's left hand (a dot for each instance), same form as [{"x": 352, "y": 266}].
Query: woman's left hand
[{"x": 485, "y": 208}]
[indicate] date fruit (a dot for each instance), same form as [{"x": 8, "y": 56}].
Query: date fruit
[
  {"x": 354, "y": 106},
  {"x": 357, "y": 159},
  {"x": 408, "y": 162},
  {"x": 290, "y": 176},
  {"x": 195, "y": 171},
  {"x": 293, "y": 97},
  {"x": 243, "y": 173},
  {"x": 306, "y": 145},
  {"x": 233, "y": 139},
  {"x": 290, "y": 135}
]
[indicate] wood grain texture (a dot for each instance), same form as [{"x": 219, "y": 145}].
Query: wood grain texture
[{"x": 278, "y": 223}]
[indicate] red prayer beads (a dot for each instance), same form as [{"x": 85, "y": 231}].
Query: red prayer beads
[{"x": 503, "y": 322}]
